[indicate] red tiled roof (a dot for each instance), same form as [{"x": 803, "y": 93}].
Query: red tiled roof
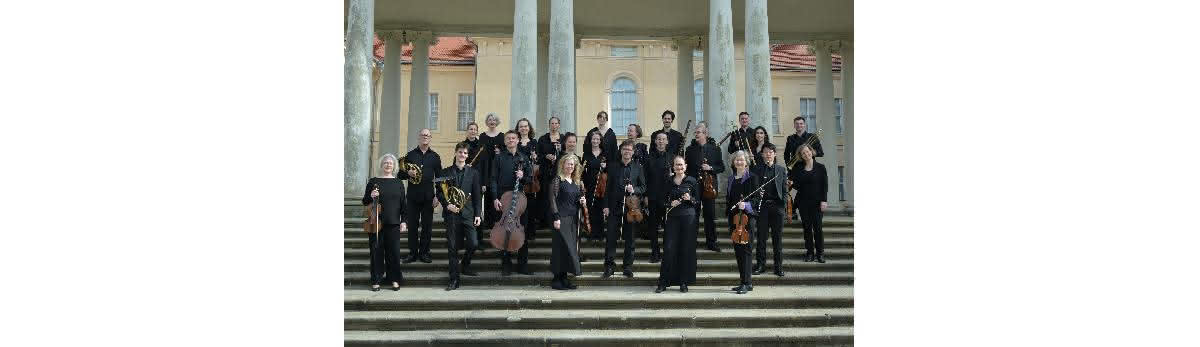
[
  {"x": 797, "y": 58},
  {"x": 452, "y": 50}
]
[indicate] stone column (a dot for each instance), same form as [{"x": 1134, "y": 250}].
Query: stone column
[
  {"x": 758, "y": 65},
  {"x": 561, "y": 60},
  {"x": 707, "y": 49},
  {"x": 825, "y": 120},
  {"x": 543, "y": 71},
  {"x": 685, "y": 96},
  {"x": 389, "y": 116},
  {"x": 360, "y": 40},
  {"x": 721, "y": 80},
  {"x": 523, "y": 99},
  {"x": 418, "y": 92},
  {"x": 848, "y": 116}
]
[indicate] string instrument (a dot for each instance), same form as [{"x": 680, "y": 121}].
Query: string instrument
[
  {"x": 741, "y": 219},
  {"x": 373, "y": 224},
  {"x": 585, "y": 223},
  {"x": 601, "y": 183},
  {"x": 633, "y": 210},
  {"x": 535, "y": 187},
  {"x": 507, "y": 234},
  {"x": 710, "y": 183}
]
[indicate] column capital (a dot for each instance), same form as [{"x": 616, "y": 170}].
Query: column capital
[
  {"x": 578, "y": 41},
  {"x": 694, "y": 41},
  {"x": 392, "y": 35},
  {"x": 423, "y": 36},
  {"x": 829, "y": 46}
]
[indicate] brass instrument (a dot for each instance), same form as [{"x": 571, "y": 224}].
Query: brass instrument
[
  {"x": 472, "y": 161},
  {"x": 410, "y": 166},
  {"x": 454, "y": 195},
  {"x": 796, "y": 156}
]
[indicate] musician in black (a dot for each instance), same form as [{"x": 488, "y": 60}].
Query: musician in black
[
  {"x": 508, "y": 168},
  {"x": 594, "y": 163},
  {"x": 703, "y": 156},
  {"x": 757, "y": 142},
  {"x": 527, "y": 144},
  {"x": 658, "y": 171},
  {"x": 812, "y": 186},
  {"x": 493, "y": 142},
  {"x": 794, "y": 141},
  {"x": 739, "y": 198},
  {"x": 625, "y": 178},
  {"x": 674, "y": 137},
  {"x": 770, "y": 215},
  {"x": 566, "y": 190},
  {"x": 388, "y": 191},
  {"x": 640, "y": 150},
  {"x": 608, "y": 138},
  {"x": 679, "y": 261},
  {"x": 460, "y": 220},
  {"x": 474, "y": 144},
  {"x": 549, "y": 148},
  {"x": 739, "y": 139},
  {"x": 570, "y": 144},
  {"x": 420, "y": 211}
]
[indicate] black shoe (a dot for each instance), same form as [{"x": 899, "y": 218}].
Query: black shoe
[
  {"x": 682, "y": 288},
  {"x": 374, "y": 287},
  {"x": 821, "y": 258},
  {"x": 556, "y": 284},
  {"x": 505, "y": 269},
  {"x": 426, "y": 258},
  {"x": 808, "y": 257},
  {"x": 654, "y": 258},
  {"x": 452, "y": 285},
  {"x": 760, "y": 269},
  {"x": 466, "y": 271},
  {"x": 395, "y": 286},
  {"x": 660, "y": 289},
  {"x": 608, "y": 271},
  {"x": 628, "y": 273},
  {"x": 749, "y": 287},
  {"x": 567, "y": 283},
  {"x": 740, "y": 289},
  {"x": 714, "y": 248},
  {"x": 410, "y": 258},
  {"x": 524, "y": 270},
  {"x": 779, "y": 272}
]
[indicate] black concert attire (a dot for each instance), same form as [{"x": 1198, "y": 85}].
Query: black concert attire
[
  {"x": 420, "y": 211},
  {"x": 640, "y": 155},
  {"x": 792, "y": 152},
  {"x": 770, "y": 214},
  {"x": 679, "y": 237},
  {"x": 738, "y": 188},
  {"x": 696, "y": 156},
  {"x": 504, "y": 179},
  {"x": 491, "y": 144},
  {"x": 564, "y": 256},
  {"x": 547, "y": 169},
  {"x": 674, "y": 139},
  {"x": 591, "y": 174},
  {"x": 385, "y": 248},
  {"x": 739, "y": 139},
  {"x": 812, "y": 186},
  {"x": 620, "y": 174},
  {"x": 658, "y": 167},
  {"x": 530, "y": 150},
  {"x": 460, "y": 227},
  {"x": 608, "y": 144},
  {"x": 757, "y": 152}
]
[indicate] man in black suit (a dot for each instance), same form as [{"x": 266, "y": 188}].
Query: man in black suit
[
  {"x": 674, "y": 137},
  {"x": 420, "y": 211},
  {"x": 771, "y": 211},
  {"x": 461, "y": 220},
  {"x": 508, "y": 168},
  {"x": 625, "y": 178}
]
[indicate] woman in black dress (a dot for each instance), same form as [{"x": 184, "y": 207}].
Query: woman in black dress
[
  {"x": 741, "y": 184},
  {"x": 594, "y": 162},
  {"x": 757, "y": 142},
  {"x": 527, "y": 145},
  {"x": 492, "y": 142},
  {"x": 812, "y": 185},
  {"x": 566, "y": 190},
  {"x": 679, "y": 240},
  {"x": 548, "y": 147},
  {"x": 388, "y": 191}
]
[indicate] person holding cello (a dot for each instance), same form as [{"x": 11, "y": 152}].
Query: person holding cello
[
  {"x": 508, "y": 168},
  {"x": 742, "y": 202},
  {"x": 387, "y": 191},
  {"x": 679, "y": 261},
  {"x": 566, "y": 190},
  {"x": 626, "y": 182},
  {"x": 770, "y": 219},
  {"x": 704, "y": 160}
]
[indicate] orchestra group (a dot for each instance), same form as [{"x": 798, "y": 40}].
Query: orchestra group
[{"x": 514, "y": 183}]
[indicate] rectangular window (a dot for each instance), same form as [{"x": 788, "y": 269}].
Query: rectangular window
[
  {"x": 775, "y": 114},
  {"x": 837, "y": 114},
  {"x": 433, "y": 111},
  {"x": 624, "y": 51},
  {"x": 698, "y": 53},
  {"x": 841, "y": 183},
  {"x": 466, "y": 110},
  {"x": 808, "y": 109}
]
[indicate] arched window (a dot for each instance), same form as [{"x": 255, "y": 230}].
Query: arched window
[
  {"x": 698, "y": 90},
  {"x": 624, "y": 104}
]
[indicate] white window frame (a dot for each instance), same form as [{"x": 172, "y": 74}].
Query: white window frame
[
  {"x": 434, "y": 105},
  {"x": 466, "y": 114},
  {"x": 776, "y": 106},
  {"x": 615, "y": 115}
]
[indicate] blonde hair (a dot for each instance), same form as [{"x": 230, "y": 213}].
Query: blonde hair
[
  {"x": 575, "y": 176},
  {"x": 740, "y": 154},
  {"x": 395, "y": 162}
]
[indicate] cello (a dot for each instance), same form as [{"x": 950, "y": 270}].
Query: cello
[{"x": 507, "y": 234}]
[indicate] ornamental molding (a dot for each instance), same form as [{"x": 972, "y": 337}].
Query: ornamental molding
[
  {"x": 392, "y": 35},
  {"x": 695, "y": 41},
  {"x": 829, "y": 46}
]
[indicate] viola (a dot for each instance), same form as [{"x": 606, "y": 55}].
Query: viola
[
  {"x": 633, "y": 211},
  {"x": 372, "y": 224},
  {"x": 740, "y": 235}
]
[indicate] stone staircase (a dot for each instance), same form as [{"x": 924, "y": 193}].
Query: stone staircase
[{"x": 811, "y": 305}]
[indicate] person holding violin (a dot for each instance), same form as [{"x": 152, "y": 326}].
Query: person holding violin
[
  {"x": 704, "y": 157},
  {"x": 743, "y": 206},
  {"x": 608, "y": 138},
  {"x": 461, "y": 220},
  {"x": 812, "y": 186},
  {"x": 420, "y": 211},
  {"x": 527, "y": 145},
  {"x": 594, "y": 163},
  {"x": 508, "y": 168},
  {"x": 770, "y": 215},
  {"x": 626, "y": 179},
  {"x": 388, "y": 192},
  {"x": 566, "y": 189},
  {"x": 549, "y": 148},
  {"x": 492, "y": 141},
  {"x": 679, "y": 262},
  {"x": 658, "y": 171}
]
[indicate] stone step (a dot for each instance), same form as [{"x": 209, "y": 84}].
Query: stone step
[
  {"x": 602, "y": 319},
  {"x": 824, "y": 336},
  {"x": 722, "y": 223},
  {"x": 591, "y": 252},
  {"x": 440, "y": 242},
  {"x": 438, "y": 231},
  {"x": 508, "y": 297},
  {"x": 364, "y": 265},
  {"x": 361, "y": 279}
]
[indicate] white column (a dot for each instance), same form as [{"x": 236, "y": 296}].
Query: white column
[
  {"x": 418, "y": 92},
  {"x": 685, "y": 96},
  {"x": 543, "y": 71},
  {"x": 707, "y": 49},
  {"x": 360, "y": 40},
  {"x": 561, "y": 60},
  {"x": 523, "y": 100},
  {"x": 758, "y": 65},
  {"x": 848, "y": 115},
  {"x": 825, "y": 119},
  {"x": 721, "y": 80},
  {"x": 389, "y": 116}
]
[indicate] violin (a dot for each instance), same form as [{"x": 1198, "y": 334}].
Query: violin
[
  {"x": 373, "y": 224},
  {"x": 633, "y": 211},
  {"x": 710, "y": 184},
  {"x": 789, "y": 201},
  {"x": 740, "y": 235},
  {"x": 601, "y": 183},
  {"x": 585, "y": 225}
]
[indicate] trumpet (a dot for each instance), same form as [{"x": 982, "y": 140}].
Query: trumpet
[{"x": 410, "y": 166}]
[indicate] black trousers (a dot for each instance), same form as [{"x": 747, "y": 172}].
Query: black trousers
[
  {"x": 616, "y": 222},
  {"x": 810, "y": 217},
  {"x": 460, "y": 232},
  {"x": 385, "y": 254},
  {"x": 653, "y": 223},
  {"x": 770, "y": 224},
  {"x": 491, "y": 216},
  {"x": 743, "y": 252},
  {"x": 420, "y": 226},
  {"x": 708, "y": 209}
]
